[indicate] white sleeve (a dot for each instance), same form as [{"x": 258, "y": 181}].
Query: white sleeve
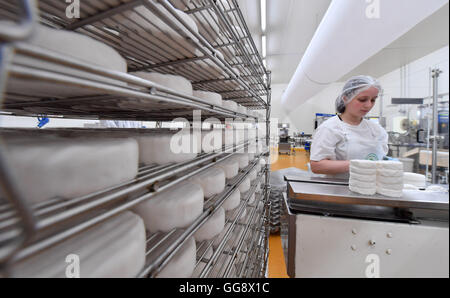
[{"x": 324, "y": 144}]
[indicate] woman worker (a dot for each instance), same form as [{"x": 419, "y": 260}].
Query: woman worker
[{"x": 348, "y": 135}]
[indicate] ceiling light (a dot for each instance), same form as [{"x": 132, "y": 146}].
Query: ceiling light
[{"x": 263, "y": 16}]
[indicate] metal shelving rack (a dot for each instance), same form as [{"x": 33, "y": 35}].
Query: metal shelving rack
[{"x": 237, "y": 74}]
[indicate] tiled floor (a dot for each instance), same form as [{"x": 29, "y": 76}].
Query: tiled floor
[{"x": 277, "y": 266}]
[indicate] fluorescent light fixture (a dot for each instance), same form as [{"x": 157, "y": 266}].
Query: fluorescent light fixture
[
  {"x": 264, "y": 46},
  {"x": 263, "y": 16}
]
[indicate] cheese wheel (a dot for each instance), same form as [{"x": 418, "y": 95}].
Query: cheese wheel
[
  {"x": 396, "y": 187},
  {"x": 363, "y": 178},
  {"x": 230, "y": 166},
  {"x": 363, "y": 164},
  {"x": 243, "y": 160},
  {"x": 361, "y": 184},
  {"x": 69, "y": 44},
  {"x": 231, "y": 215},
  {"x": 364, "y": 191},
  {"x": 390, "y": 173},
  {"x": 253, "y": 174},
  {"x": 233, "y": 201},
  {"x": 362, "y": 171},
  {"x": 212, "y": 227},
  {"x": 397, "y": 180},
  {"x": 176, "y": 83},
  {"x": 211, "y": 180},
  {"x": 390, "y": 165},
  {"x": 230, "y": 105},
  {"x": 211, "y": 97},
  {"x": 417, "y": 180},
  {"x": 176, "y": 207},
  {"x": 114, "y": 248},
  {"x": 182, "y": 264},
  {"x": 245, "y": 185},
  {"x": 390, "y": 192},
  {"x": 49, "y": 167},
  {"x": 164, "y": 148}
]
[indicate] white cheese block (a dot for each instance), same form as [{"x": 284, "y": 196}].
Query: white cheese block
[
  {"x": 396, "y": 180},
  {"x": 364, "y": 191},
  {"x": 363, "y": 164},
  {"x": 211, "y": 97},
  {"x": 182, "y": 264},
  {"x": 114, "y": 248},
  {"x": 176, "y": 207},
  {"x": 362, "y": 171},
  {"x": 390, "y": 192},
  {"x": 253, "y": 174},
  {"x": 50, "y": 167},
  {"x": 245, "y": 185},
  {"x": 390, "y": 173},
  {"x": 231, "y": 105},
  {"x": 165, "y": 148},
  {"x": 176, "y": 83},
  {"x": 211, "y": 180},
  {"x": 417, "y": 180},
  {"x": 233, "y": 201},
  {"x": 70, "y": 44},
  {"x": 389, "y": 165},
  {"x": 212, "y": 227},
  {"x": 396, "y": 187},
  {"x": 363, "y": 178},
  {"x": 243, "y": 160},
  {"x": 361, "y": 184},
  {"x": 231, "y": 215},
  {"x": 230, "y": 166}
]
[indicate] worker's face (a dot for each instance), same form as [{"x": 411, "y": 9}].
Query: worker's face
[{"x": 363, "y": 102}]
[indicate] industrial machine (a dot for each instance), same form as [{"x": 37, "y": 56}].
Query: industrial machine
[
  {"x": 329, "y": 231},
  {"x": 284, "y": 144}
]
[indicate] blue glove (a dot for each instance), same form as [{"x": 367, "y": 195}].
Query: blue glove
[{"x": 390, "y": 158}]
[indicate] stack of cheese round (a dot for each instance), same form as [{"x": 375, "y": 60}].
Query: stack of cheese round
[
  {"x": 243, "y": 160},
  {"x": 413, "y": 179},
  {"x": 211, "y": 180},
  {"x": 143, "y": 25},
  {"x": 210, "y": 97},
  {"x": 212, "y": 140},
  {"x": 47, "y": 167},
  {"x": 233, "y": 201},
  {"x": 176, "y": 83},
  {"x": 363, "y": 175},
  {"x": 212, "y": 227},
  {"x": 114, "y": 248},
  {"x": 245, "y": 185},
  {"x": 164, "y": 148},
  {"x": 230, "y": 105},
  {"x": 204, "y": 254},
  {"x": 182, "y": 264},
  {"x": 230, "y": 166},
  {"x": 69, "y": 44},
  {"x": 176, "y": 207},
  {"x": 390, "y": 178}
]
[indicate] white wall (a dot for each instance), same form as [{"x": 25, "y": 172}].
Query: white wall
[{"x": 413, "y": 80}]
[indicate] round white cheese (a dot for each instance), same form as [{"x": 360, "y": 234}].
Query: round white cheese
[
  {"x": 230, "y": 105},
  {"x": 364, "y": 191},
  {"x": 212, "y": 227},
  {"x": 243, "y": 160},
  {"x": 230, "y": 166},
  {"x": 233, "y": 201},
  {"x": 390, "y": 192},
  {"x": 211, "y": 180},
  {"x": 176, "y": 207},
  {"x": 245, "y": 185},
  {"x": 211, "y": 97},
  {"x": 390, "y": 173},
  {"x": 362, "y": 171},
  {"x": 176, "y": 83},
  {"x": 390, "y": 165},
  {"x": 363, "y": 164}
]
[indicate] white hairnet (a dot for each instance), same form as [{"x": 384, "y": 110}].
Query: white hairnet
[{"x": 352, "y": 88}]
